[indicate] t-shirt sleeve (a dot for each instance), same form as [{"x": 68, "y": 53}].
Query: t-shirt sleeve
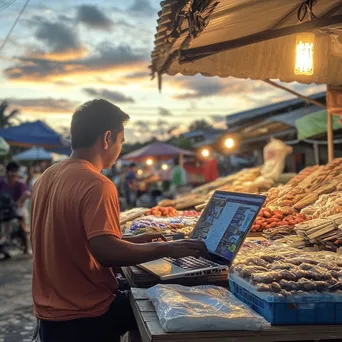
[{"x": 101, "y": 211}]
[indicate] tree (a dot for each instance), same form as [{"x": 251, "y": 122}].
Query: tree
[
  {"x": 6, "y": 120},
  {"x": 199, "y": 124}
]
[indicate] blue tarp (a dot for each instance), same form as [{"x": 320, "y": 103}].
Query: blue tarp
[
  {"x": 33, "y": 134},
  {"x": 34, "y": 153}
]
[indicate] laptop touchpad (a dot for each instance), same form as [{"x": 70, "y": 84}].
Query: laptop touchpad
[{"x": 162, "y": 267}]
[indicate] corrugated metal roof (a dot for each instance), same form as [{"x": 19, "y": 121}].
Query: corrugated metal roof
[
  {"x": 186, "y": 25},
  {"x": 272, "y": 109},
  {"x": 290, "y": 118}
]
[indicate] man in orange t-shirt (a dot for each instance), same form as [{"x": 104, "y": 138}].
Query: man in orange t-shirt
[{"x": 76, "y": 237}]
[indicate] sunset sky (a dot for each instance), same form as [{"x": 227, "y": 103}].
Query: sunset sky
[{"x": 65, "y": 52}]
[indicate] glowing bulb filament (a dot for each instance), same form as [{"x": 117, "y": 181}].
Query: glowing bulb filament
[{"x": 304, "y": 54}]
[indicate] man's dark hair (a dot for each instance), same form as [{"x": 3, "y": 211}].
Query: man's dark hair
[
  {"x": 94, "y": 118},
  {"x": 132, "y": 165},
  {"x": 12, "y": 167},
  {"x": 176, "y": 161}
]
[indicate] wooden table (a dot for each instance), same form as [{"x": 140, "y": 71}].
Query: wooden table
[{"x": 151, "y": 330}]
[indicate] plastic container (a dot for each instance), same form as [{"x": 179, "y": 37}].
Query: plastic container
[{"x": 325, "y": 308}]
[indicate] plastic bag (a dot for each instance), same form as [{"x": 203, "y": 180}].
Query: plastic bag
[
  {"x": 275, "y": 153},
  {"x": 202, "y": 308}
]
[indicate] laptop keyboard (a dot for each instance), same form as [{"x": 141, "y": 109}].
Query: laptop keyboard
[{"x": 191, "y": 263}]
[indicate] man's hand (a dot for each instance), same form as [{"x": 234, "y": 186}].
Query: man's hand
[
  {"x": 146, "y": 237},
  {"x": 184, "y": 248}
]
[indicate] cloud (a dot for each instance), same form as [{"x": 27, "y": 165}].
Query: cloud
[
  {"x": 60, "y": 40},
  {"x": 164, "y": 112},
  {"x": 141, "y": 126},
  {"x": 110, "y": 95},
  {"x": 138, "y": 76},
  {"x": 142, "y": 7},
  {"x": 44, "y": 105},
  {"x": 218, "y": 118},
  {"x": 92, "y": 17},
  {"x": 205, "y": 88},
  {"x": 106, "y": 58},
  {"x": 161, "y": 123},
  {"x": 202, "y": 87}
]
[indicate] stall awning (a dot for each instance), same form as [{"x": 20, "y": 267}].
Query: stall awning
[
  {"x": 34, "y": 153},
  {"x": 157, "y": 150},
  {"x": 315, "y": 124},
  {"x": 246, "y": 39},
  {"x": 33, "y": 134}
]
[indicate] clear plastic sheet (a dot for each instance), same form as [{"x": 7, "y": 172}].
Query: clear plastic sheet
[{"x": 202, "y": 308}]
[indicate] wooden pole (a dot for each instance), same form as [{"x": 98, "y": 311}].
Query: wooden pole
[
  {"x": 330, "y": 137},
  {"x": 316, "y": 151},
  {"x": 181, "y": 159},
  {"x": 305, "y": 98}
]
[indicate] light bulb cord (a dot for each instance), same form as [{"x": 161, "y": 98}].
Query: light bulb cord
[{"x": 306, "y": 9}]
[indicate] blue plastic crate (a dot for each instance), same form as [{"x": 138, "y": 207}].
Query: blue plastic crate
[{"x": 304, "y": 309}]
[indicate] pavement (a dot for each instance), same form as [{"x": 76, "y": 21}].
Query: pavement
[{"x": 16, "y": 313}]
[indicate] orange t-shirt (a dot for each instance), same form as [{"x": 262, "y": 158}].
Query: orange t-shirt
[{"x": 72, "y": 203}]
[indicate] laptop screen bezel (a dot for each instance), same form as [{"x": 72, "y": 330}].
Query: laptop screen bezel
[{"x": 217, "y": 258}]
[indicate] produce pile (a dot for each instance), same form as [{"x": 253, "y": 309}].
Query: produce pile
[
  {"x": 268, "y": 218},
  {"x": 131, "y": 215},
  {"x": 162, "y": 212},
  {"x": 315, "y": 192},
  {"x": 297, "y": 195},
  {"x": 239, "y": 182},
  {"x": 324, "y": 232},
  {"x": 290, "y": 272},
  {"x": 165, "y": 225}
]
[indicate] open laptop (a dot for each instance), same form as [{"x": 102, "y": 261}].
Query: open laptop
[{"x": 223, "y": 226}]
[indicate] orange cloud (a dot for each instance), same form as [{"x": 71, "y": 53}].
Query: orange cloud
[
  {"x": 66, "y": 55},
  {"x": 106, "y": 59}
]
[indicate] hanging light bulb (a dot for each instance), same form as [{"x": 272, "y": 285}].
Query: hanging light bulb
[
  {"x": 305, "y": 54},
  {"x": 149, "y": 162},
  {"x": 229, "y": 143},
  {"x": 205, "y": 153}
]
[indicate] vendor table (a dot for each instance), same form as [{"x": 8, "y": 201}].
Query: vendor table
[{"x": 151, "y": 330}]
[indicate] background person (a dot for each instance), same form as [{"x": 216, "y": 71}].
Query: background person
[
  {"x": 18, "y": 192},
  {"x": 131, "y": 185},
  {"x": 178, "y": 178}
]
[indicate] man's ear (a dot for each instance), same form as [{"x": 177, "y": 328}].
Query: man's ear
[{"x": 107, "y": 137}]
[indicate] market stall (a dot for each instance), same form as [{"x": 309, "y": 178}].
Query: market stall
[{"x": 288, "y": 287}]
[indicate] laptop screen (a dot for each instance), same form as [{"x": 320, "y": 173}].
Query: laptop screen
[{"x": 225, "y": 222}]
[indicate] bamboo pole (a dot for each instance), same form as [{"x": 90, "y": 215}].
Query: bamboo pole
[
  {"x": 330, "y": 137},
  {"x": 305, "y": 98}
]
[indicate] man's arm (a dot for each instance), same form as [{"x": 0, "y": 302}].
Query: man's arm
[{"x": 110, "y": 251}]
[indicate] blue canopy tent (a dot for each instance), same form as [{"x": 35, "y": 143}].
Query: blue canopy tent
[
  {"x": 34, "y": 153},
  {"x": 35, "y": 134}
]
